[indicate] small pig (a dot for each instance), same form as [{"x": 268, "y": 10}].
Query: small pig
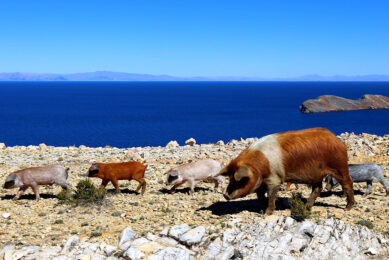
[
  {"x": 191, "y": 172},
  {"x": 35, "y": 176},
  {"x": 365, "y": 172},
  {"x": 112, "y": 172}
]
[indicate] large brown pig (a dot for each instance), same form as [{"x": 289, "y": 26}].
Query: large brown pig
[
  {"x": 304, "y": 156},
  {"x": 112, "y": 172},
  {"x": 35, "y": 176}
]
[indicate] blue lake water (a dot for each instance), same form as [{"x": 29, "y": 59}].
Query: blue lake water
[{"x": 127, "y": 114}]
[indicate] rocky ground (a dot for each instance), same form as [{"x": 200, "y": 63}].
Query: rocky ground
[{"x": 48, "y": 223}]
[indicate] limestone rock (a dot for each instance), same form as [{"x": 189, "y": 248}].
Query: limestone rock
[{"x": 190, "y": 142}]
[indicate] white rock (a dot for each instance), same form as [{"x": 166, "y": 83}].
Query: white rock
[
  {"x": 109, "y": 250},
  {"x": 171, "y": 253},
  {"x": 70, "y": 243},
  {"x": 164, "y": 232},
  {"x": 176, "y": 231},
  {"x": 126, "y": 237},
  {"x": 151, "y": 237},
  {"x": 172, "y": 144},
  {"x": 139, "y": 241},
  {"x": 6, "y": 248},
  {"x": 190, "y": 142},
  {"x": 213, "y": 250},
  {"x": 134, "y": 254},
  {"x": 2, "y": 146},
  {"x": 193, "y": 236},
  {"x": 93, "y": 247},
  {"x": 372, "y": 251},
  {"x": 42, "y": 146},
  {"x": 226, "y": 254},
  {"x": 221, "y": 143},
  {"x": 6, "y": 215}
]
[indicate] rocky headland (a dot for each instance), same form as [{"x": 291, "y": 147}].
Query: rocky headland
[
  {"x": 159, "y": 225},
  {"x": 330, "y": 103}
]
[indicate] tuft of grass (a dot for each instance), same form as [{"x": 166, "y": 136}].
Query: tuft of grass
[
  {"x": 58, "y": 221},
  {"x": 365, "y": 223},
  {"x": 96, "y": 234},
  {"x": 74, "y": 233},
  {"x": 42, "y": 214},
  {"x": 85, "y": 193},
  {"x": 116, "y": 214},
  {"x": 298, "y": 210}
]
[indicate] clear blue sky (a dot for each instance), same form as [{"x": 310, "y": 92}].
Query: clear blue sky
[{"x": 196, "y": 38}]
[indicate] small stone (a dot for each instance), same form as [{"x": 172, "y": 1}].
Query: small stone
[
  {"x": 86, "y": 257},
  {"x": 2, "y": 146},
  {"x": 172, "y": 144},
  {"x": 164, "y": 232},
  {"x": 221, "y": 143},
  {"x": 70, "y": 243},
  {"x": 139, "y": 241},
  {"x": 127, "y": 235},
  {"x": 176, "y": 231},
  {"x": 6, "y": 215},
  {"x": 190, "y": 142},
  {"x": 193, "y": 236},
  {"x": 371, "y": 251},
  {"x": 109, "y": 250},
  {"x": 171, "y": 253},
  {"x": 42, "y": 146},
  {"x": 134, "y": 254}
]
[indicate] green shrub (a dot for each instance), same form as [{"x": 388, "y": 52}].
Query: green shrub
[
  {"x": 366, "y": 223},
  {"x": 95, "y": 234},
  {"x": 58, "y": 221},
  {"x": 85, "y": 193},
  {"x": 116, "y": 214},
  {"x": 298, "y": 210}
]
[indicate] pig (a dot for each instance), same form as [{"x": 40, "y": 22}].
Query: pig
[
  {"x": 35, "y": 176},
  {"x": 365, "y": 172},
  {"x": 304, "y": 156},
  {"x": 112, "y": 172},
  {"x": 191, "y": 172}
]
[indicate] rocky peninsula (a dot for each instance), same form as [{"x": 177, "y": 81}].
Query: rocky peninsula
[
  {"x": 159, "y": 225},
  {"x": 329, "y": 103}
]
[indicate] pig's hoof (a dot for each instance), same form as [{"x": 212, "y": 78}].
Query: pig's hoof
[
  {"x": 268, "y": 212},
  {"x": 15, "y": 198}
]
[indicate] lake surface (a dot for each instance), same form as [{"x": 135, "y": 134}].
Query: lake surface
[{"x": 127, "y": 114}]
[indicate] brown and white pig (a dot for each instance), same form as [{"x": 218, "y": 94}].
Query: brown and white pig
[
  {"x": 112, "y": 172},
  {"x": 194, "y": 171},
  {"x": 35, "y": 176},
  {"x": 304, "y": 156}
]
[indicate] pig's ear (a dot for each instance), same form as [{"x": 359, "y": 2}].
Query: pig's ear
[
  {"x": 173, "y": 173},
  {"x": 242, "y": 172},
  {"x": 223, "y": 172}
]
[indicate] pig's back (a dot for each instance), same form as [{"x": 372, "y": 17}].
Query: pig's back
[
  {"x": 202, "y": 169},
  {"x": 43, "y": 175}
]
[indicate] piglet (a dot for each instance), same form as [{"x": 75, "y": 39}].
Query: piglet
[
  {"x": 365, "y": 172},
  {"x": 191, "y": 172},
  {"x": 35, "y": 176}
]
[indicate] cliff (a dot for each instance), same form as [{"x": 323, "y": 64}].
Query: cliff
[{"x": 329, "y": 103}]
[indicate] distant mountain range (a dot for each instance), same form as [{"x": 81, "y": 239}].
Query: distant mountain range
[{"x": 122, "y": 76}]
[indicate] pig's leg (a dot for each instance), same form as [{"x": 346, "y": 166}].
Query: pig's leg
[
  {"x": 116, "y": 184},
  {"x": 261, "y": 194},
  {"x": 218, "y": 180},
  {"x": 272, "y": 192},
  {"x": 192, "y": 186},
  {"x": 346, "y": 182},
  {"x": 142, "y": 183},
  {"x": 369, "y": 186},
  {"x": 20, "y": 192},
  {"x": 66, "y": 186},
  {"x": 104, "y": 183},
  {"x": 35, "y": 188},
  {"x": 316, "y": 189},
  {"x": 288, "y": 186}
]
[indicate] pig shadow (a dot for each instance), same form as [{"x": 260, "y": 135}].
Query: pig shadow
[
  {"x": 184, "y": 190},
  {"x": 325, "y": 194},
  {"x": 30, "y": 196},
  {"x": 124, "y": 191},
  {"x": 254, "y": 205}
]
